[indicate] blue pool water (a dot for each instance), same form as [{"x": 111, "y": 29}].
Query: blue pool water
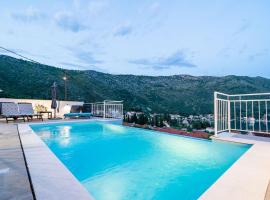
[{"x": 114, "y": 162}]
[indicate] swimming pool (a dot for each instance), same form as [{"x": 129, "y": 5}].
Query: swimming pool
[{"x": 116, "y": 162}]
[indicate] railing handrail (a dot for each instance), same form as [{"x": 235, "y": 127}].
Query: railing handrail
[
  {"x": 107, "y": 101},
  {"x": 230, "y": 109},
  {"x": 254, "y": 94},
  {"x": 220, "y": 93},
  {"x": 113, "y": 101},
  {"x": 249, "y": 94}
]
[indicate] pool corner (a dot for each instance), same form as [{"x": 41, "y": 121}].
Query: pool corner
[
  {"x": 247, "y": 178},
  {"x": 50, "y": 178}
]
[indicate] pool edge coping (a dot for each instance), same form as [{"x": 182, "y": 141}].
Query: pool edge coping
[
  {"x": 47, "y": 186},
  {"x": 251, "y": 169}
]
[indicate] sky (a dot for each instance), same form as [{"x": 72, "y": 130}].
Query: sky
[{"x": 142, "y": 37}]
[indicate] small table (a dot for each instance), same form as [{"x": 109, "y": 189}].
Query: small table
[{"x": 49, "y": 113}]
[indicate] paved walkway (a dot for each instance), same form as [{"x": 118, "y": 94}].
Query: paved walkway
[{"x": 14, "y": 182}]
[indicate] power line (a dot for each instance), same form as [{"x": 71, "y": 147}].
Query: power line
[
  {"x": 20, "y": 55},
  {"x": 29, "y": 59},
  {"x": 17, "y": 54}
]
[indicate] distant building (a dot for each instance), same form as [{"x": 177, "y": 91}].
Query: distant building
[
  {"x": 173, "y": 116},
  {"x": 185, "y": 122},
  {"x": 131, "y": 113}
]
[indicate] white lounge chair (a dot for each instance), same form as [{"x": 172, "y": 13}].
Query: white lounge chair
[
  {"x": 27, "y": 110},
  {"x": 10, "y": 111}
]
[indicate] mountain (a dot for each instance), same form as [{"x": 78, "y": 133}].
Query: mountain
[{"x": 182, "y": 94}]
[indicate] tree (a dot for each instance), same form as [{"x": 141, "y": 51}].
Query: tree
[
  {"x": 189, "y": 129},
  {"x": 167, "y": 117},
  {"x": 134, "y": 119},
  {"x": 196, "y": 124},
  {"x": 205, "y": 124},
  {"x": 142, "y": 119},
  {"x": 159, "y": 120},
  {"x": 125, "y": 118},
  {"x": 173, "y": 122}
]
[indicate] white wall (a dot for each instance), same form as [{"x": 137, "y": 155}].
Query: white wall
[{"x": 64, "y": 106}]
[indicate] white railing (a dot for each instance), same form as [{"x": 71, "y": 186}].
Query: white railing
[
  {"x": 241, "y": 112},
  {"x": 108, "y": 109}
]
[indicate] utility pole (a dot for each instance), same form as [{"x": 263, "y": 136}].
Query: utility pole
[{"x": 65, "y": 81}]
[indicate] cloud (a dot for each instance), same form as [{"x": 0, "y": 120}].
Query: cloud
[
  {"x": 96, "y": 7},
  {"x": 243, "y": 49},
  {"x": 87, "y": 57},
  {"x": 123, "y": 31},
  {"x": 254, "y": 56},
  {"x": 178, "y": 59},
  {"x": 29, "y": 15},
  {"x": 244, "y": 26},
  {"x": 93, "y": 7},
  {"x": 154, "y": 16},
  {"x": 226, "y": 51},
  {"x": 67, "y": 21},
  {"x": 83, "y": 56},
  {"x": 154, "y": 9}
]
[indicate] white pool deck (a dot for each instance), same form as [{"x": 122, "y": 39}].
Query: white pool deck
[{"x": 247, "y": 178}]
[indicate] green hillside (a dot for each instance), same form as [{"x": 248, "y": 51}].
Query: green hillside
[{"x": 174, "y": 94}]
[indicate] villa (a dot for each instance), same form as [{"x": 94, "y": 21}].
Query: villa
[
  {"x": 81, "y": 150},
  {"x": 134, "y": 100}
]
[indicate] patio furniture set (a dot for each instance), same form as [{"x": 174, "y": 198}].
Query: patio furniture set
[{"x": 14, "y": 111}]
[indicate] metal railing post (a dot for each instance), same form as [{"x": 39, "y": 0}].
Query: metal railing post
[
  {"x": 104, "y": 109},
  {"x": 92, "y": 109},
  {"x": 216, "y": 113},
  {"x": 229, "y": 115}
]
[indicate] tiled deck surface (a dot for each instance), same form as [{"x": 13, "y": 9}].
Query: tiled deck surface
[{"x": 14, "y": 182}]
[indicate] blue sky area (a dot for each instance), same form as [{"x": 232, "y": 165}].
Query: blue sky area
[{"x": 141, "y": 36}]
